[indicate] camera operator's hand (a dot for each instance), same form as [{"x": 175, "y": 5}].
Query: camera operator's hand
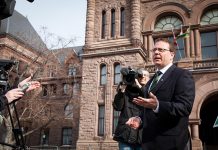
[
  {"x": 137, "y": 83},
  {"x": 122, "y": 87},
  {"x": 32, "y": 84},
  {"x": 134, "y": 122},
  {"x": 14, "y": 94}
]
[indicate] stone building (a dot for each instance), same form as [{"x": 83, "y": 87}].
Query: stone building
[
  {"x": 120, "y": 34},
  {"x": 49, "y": 116}
]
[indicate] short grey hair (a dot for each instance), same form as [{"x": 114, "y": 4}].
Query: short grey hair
[{"x": 142, "y": 70}]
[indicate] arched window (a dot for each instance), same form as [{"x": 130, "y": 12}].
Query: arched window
[
  {"x": 209, "y": 39},
  {"x": 103, "y": 75},
  {"x": 122, "y": 21},
  {"x": 210, "y": 17},
  {"x": 66, "y": 88},
  {"x": 103, "y": 26},
  {"x": 112, "y": 22},
  {"x": 68, "y": 111},
  {"x": 167, "y": 23},
  {"x": 116, "y": 73},
  {"x": 76, "y": 89}
]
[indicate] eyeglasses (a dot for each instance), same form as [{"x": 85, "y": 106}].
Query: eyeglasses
[{"x": 161, "y": 50}]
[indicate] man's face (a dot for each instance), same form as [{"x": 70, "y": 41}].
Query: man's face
[{"x": 162, "y": 56}]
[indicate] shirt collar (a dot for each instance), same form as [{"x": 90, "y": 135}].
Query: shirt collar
[{"x": 163, "y": 70}]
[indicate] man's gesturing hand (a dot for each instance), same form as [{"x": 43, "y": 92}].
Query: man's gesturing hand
[{"x": 150, "y": 102}]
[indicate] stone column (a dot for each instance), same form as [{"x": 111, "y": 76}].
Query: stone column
[
  {"x": 150, "y": 46},
  {"x": 135, "y": 20},
  {"x": 192, "y": 44},
  {"x": 90, "y": 22},
  {"x": 195, "y": 131},
  {"x": 197, "y": 43},
  {"x": 196, "y": 142},
  {"x": 187, "y": 47},
  {"x": 145, "y": 42}
]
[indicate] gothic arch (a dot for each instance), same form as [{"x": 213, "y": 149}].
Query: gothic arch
[
  {"x": 178, "y": 9},
  {"x": 202, "y": 92},
  {"x": 118, "y": 59}
]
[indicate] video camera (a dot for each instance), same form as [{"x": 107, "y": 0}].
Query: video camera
[
  {"x": 129, "y": 75},
  {"x": 5, "y": 66},
  {"x": 7, "y": 8}
]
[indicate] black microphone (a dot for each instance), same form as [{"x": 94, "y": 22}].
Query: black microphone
[{"x": 30, "y": 1}]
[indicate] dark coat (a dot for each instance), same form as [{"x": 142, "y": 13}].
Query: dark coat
[
  {"x": 3, "y": 102},
  {"x": 124, "y": 133},
  {"x": 168, "y": 129}
]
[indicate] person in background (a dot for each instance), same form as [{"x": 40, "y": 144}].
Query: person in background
[
  {"x": 127, "y": 137},
  {"x": 167, "y": 102},
  {"x": 17, "y": 93}
]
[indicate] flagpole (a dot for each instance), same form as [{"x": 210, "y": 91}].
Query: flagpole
[{"x": 175, "y": 42}]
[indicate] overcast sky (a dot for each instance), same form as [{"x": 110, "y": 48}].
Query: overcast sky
[{"x": 65, "y": 18}]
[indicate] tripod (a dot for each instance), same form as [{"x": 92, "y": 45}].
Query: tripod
[
  {"x": 5, "y": 66},
  {"x": 18, "y": 133}
]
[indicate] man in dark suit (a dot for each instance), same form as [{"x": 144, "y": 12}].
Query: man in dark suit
[{"x": 168, "y": 102}]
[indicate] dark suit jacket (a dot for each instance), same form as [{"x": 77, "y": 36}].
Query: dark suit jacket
[{"x": 168, "y": 129}]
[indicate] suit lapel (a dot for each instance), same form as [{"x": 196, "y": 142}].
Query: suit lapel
[{"x": 163, "y": 79}]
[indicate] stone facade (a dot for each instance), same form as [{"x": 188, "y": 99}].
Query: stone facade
[
  {"x": 39, "y": 112},
  {"x": 132, "y": 49}
]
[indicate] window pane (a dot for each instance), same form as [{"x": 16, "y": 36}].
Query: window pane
[
  {"x": 180, "y": 50},
  {"x": 67, "y": 136},
  {"x": 122, "y": 22},
  {"x": 180, "y": 53},
  {"x": 210, "y": 17},
  {"x": 103, "y": 25},
  {"x": 209, "y": 52},
  {"x": 76, "y": 88},
  {"x": 101, "y": 120},
  {"x": 112, "y": 23},
  {"x": 115, "y": 119},
  {"x": 65, "y": 88},
  {"x": 208, "y": 39},
  {"x": 72, "y": 71},
  {"x": 68, "y": 111},
  {"x": 103, "y": 75},
  {"x": 117, "y": 78},
  {"x": 167, "y": 22},
  {"x": 209, "y": 45}
]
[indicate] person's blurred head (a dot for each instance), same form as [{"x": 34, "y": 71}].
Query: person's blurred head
[{"x": 143, "y": 76}]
